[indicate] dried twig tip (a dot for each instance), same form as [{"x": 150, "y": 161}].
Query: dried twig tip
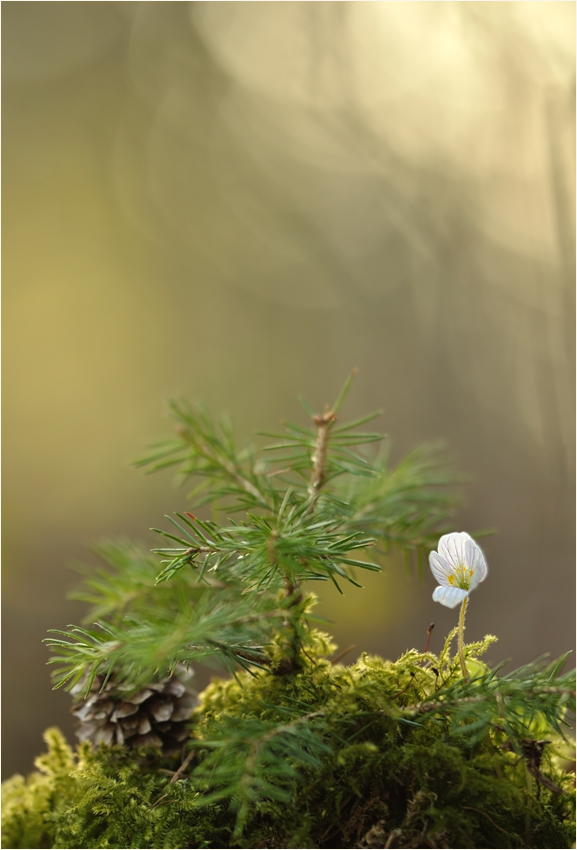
[{"x": 429, "y": 632}]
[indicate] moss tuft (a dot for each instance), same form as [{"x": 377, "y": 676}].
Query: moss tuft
[{"x": 362, "y": 756}]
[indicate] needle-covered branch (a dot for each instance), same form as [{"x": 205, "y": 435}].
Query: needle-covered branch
[
  {"x": 249, "y": 759},
  {"x": 206, "y": 450},
  {"x": 309, "y": 504},
  {"x": 264, "y": 552},
  {"x": 222, "y": 626},
  {"x": 512, "y": 703}
]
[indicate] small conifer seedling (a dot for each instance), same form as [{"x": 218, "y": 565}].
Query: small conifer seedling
[{"x": 290, "y": 748}]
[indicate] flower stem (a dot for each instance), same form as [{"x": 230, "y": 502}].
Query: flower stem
[{"x": 460, "y": 644}]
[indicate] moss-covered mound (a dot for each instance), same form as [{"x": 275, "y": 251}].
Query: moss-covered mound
[{"x": 372, "y": 755}]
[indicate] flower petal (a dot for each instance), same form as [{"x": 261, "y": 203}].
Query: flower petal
[
  {"x": 449, "y": 596},
  {"x": 476, "y": 562},
  {"x": 452, "y": 547},
  {"x": 440, "y": 568}
]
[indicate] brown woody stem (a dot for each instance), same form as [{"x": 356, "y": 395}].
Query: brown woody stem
[{"x": 323, "y": 423}]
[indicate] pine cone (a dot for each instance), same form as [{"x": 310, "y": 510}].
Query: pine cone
[{"x": 156, "y": 716}]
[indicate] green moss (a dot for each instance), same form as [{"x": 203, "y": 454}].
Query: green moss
[
  {"x": 332, "y": 756},
  {"x": 30, "y": 807}
]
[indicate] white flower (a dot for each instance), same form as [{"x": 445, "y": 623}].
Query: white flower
[{"x": 458, "y": 566}]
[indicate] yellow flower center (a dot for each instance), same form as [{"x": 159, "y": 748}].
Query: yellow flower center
[{"x": 461, "y": 577}]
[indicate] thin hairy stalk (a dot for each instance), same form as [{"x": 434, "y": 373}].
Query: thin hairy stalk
[{"x": 460, "y": 644}]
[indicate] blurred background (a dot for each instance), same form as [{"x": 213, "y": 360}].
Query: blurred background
[{"x": 239, "y": 202}]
